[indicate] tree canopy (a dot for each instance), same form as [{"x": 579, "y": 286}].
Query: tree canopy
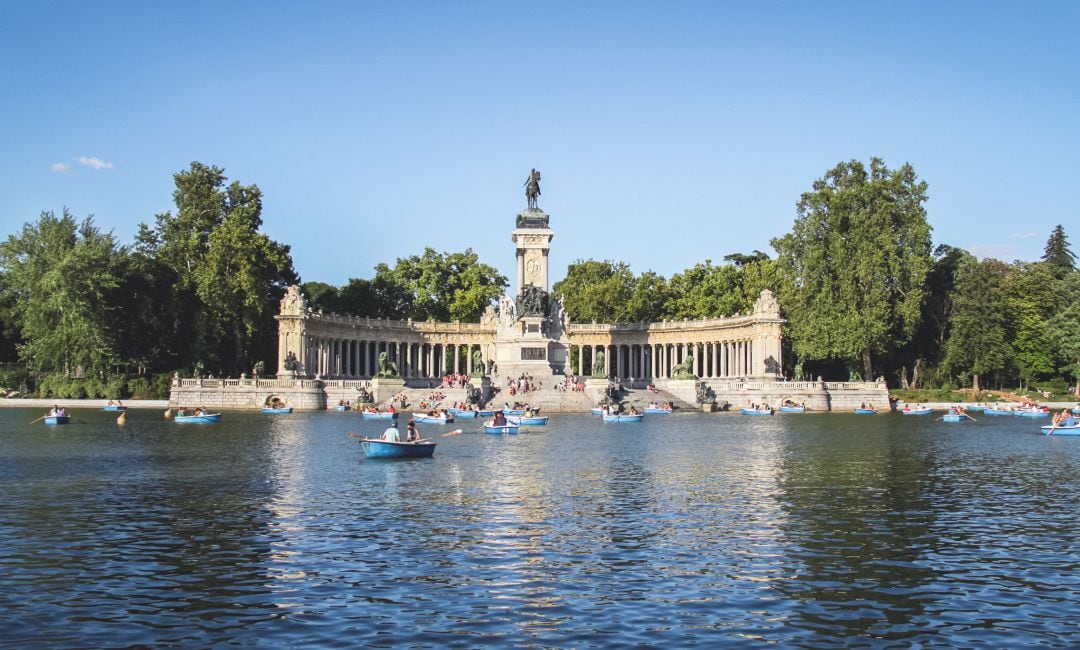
[
  {"x": 62, "y": 277},
  {"x": 429, "y": 286},
  {"x": 228, "y": 276},
  {"x": 1057, "y": 252},
  {"x": 853, "y": 268}
]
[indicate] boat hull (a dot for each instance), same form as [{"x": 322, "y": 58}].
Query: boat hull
[
  {"x": 379, "y": 416},
  {"x": 1073, "y": 430},
  {"x": 793, "y": 409},
  {"x": 990, "y": 411},
  {"x": 526, "y": 420},
  {"x": 623, "y": 418},
  {"x": 1032, "y": 414},
  {"x": 427, "y": 419},
  {"x": 597, "y": 411},
  {"x": 385, "y": 449},
  {"x": 917, "y": 412},
  {"x": 865, "y": 412},
  {"x": 57, "y": 419},
  {"x": 287, "y": 409},
  {"x": 513, "y": 412},
  {"x": 113, "y": 407},
  {"x": 508, "y": 429},
  {"x": 649, "y": 411},
  {"x": 952, "y": 417},
  {"x": 341, "y": 408},
  {"x": 197, "y": 419},
  {"x": 754, "y": 412}
]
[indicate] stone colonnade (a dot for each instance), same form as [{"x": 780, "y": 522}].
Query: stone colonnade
[
  {"x": 333, "y": 346},
  {"x": 711, "y": 359},
  {"x": 350, "y": 358}
]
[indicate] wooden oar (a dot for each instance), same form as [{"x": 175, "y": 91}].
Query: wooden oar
[
  {"x": 40, "y": 419},
  {"x": 970, "y": 418},
  {"x": 444, "y": 435}
]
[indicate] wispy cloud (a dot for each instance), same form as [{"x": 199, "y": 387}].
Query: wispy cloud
[
  {"x": 94, "y": 162},
  {"x": 1023, "y": 235},
  {"x": 996, "y": 251},
  {"x": 61, "y": 168}
]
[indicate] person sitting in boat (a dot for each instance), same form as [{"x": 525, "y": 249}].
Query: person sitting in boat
[
  {"x": 200, "y": 411},
  {"x": 390, "y": 409},
  {"x": 500, "y": 419},
  {"x": 633, "y": 410},
  {"x": 54, "y": 411},
  {"x": 391, "y": 434},
  {"x": 411, "y": 434},
  {"x": 907, "y": 407}
]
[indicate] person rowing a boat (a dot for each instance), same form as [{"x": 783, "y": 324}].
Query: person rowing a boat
[
  {"x": 411, "y": 434},
  {"x": 392, "y": 434}
]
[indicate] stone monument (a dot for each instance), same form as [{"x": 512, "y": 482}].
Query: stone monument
[{"x": 526, "y": 342}]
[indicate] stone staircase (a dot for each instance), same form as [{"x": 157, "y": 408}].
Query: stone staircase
[{"x": 640, "y": 398}]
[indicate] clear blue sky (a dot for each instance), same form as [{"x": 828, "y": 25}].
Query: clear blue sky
[{"x": 666, "y": 132}]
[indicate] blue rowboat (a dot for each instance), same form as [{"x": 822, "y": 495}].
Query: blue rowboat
[
  {"x": 623, "y": 418},
  {"x": 917, "y": 412},
  {"x": 374, "y": 448},
  {"x": 433, "y": 419},
  {"x": 976, "y": 407},
  {"x": 513, "y": 411},
  {"x": 1032, "y": 414},
  {"x": 57, "y": 419},
  {"x": 529, "y": 420},
  {"x": 508, "y": 428},
  {"x": 464, "y": 414},
  {"x": 1062, "y": 431},
  {"x": 342, "y": 407},
  {"x": 756, "y": 411},
  {"x": 1067, "y": 428},
  {"x": 378, "y": 416},
  {"x": 113, "y": 407},
  {"x": 992, "y": 411},
  {"x": 597, "y": 411},
  {"x": 280, "y": 409},
  {"x": 197, "y": 419},
  {"x": 954, "y": 417},
  {"x": 793, "y": 409},
  {"x": 657, "y": 411},
  {"x": 865, "y": 412}
]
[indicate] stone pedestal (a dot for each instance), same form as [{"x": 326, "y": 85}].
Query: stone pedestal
[{"x": 383, "y": 389}]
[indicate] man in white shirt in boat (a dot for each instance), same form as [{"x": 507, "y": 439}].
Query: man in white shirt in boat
[{"x": 391, "y": 434}]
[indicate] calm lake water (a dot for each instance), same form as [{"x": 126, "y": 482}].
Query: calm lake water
[{"x": 714, "y": 530}]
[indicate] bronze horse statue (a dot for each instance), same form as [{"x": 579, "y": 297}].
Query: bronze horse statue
[{"x": 532, "y": 188}]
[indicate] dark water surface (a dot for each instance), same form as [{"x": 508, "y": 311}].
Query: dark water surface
[{"x": 796, "y": 530}]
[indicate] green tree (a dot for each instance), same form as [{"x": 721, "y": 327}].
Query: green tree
[
  {"x": 1064, "y": 325},
  {"x": 977, "y": 341},
  {"x": 62, "y": 276},
  {"x": 228, "y": 275},
  {"x": 1057, "y": 252},
  {"x": 322, "y": 296},
  {"x": 1031, "y": 297},
  {"x": 648, "y": 298},
  {"x": 705, "y": 291},
  {"x": 431, "y": 286},
  {"x": 380, "y": 297},
  {"x": 597, "y": 291},
  {"x": 9, "y": 326},
  {"x": 852, "y": 270}
]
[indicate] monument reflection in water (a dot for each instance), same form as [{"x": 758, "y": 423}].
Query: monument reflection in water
[{"x": 802, "y": 530}]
